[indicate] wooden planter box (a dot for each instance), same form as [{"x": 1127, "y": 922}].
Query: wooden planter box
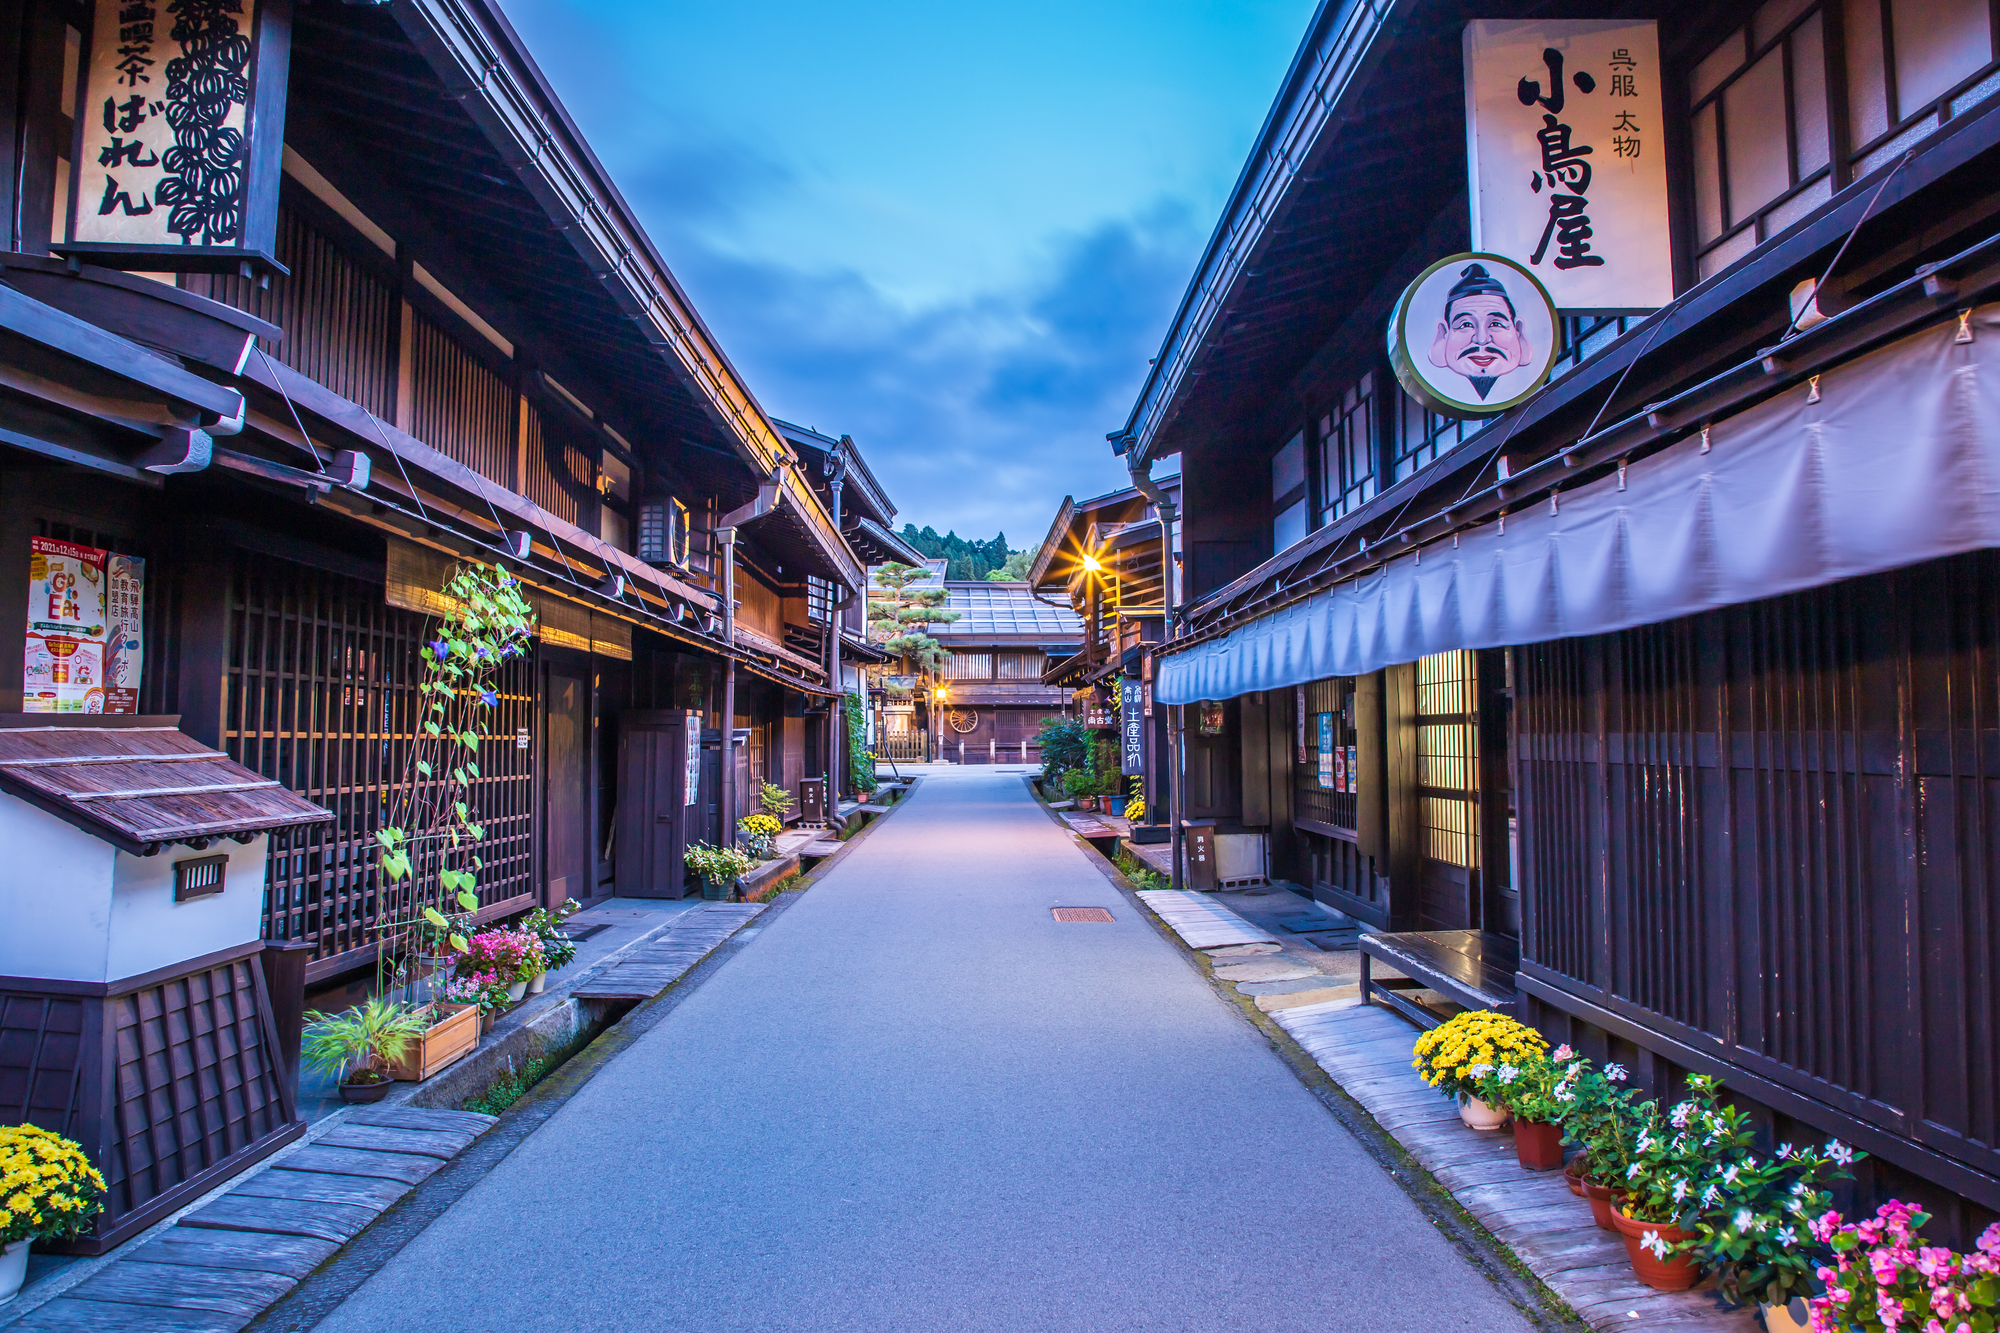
[{"x": 443, "y": 1042}]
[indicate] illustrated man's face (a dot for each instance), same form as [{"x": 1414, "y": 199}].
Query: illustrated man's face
[{"x": 1480, "y": 338}]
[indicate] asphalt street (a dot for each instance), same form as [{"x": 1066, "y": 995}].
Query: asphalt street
[{"x": 915, "y": 1101}]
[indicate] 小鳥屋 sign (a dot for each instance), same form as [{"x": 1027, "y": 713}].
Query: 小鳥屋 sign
[
  {"x": 84, "y": 629},
  {"x": 180, "y": 134},
  {"x": 1566, "y": 154}
]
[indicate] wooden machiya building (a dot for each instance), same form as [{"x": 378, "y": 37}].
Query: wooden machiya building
[
  {"x": 251, "y": 420},
  {"x": 1650, "y": 694},
  {"x": 1104, "y": 557},
  {"x": 994, "y": 697}
]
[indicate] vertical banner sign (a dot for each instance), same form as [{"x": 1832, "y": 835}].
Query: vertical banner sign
[
  {"x": 1564, "y": 143},
  {"x": 124, "y": 634},
  {"x": 1353, "y": 771},
  {"x": 64, "y": 668},
  {"x": 180, "y": 128},
  {"x": 1132, "y": 732},
  {"x": 1325, "y": 750},
  {"x": 1299, "y": 722},
  {"x": 691, "y": 785},
  {"x": 1340, "y": 769}
]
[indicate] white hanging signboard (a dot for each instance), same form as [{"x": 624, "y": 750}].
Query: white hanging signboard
[{"x": 1566, "y": 151}]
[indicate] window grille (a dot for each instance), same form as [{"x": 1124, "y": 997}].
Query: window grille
[
  {"x": 819, "y": 600},
  {"x": 1347, "y": 434},
  {"x": 320, "y": 694},
  {"x": 462, "y": 408},
  {"x": 1448, "y": 756},
  {"x": 1418, "y": 438},
  {"x": 1018, "y": 666},
  {"x": 969, "y": 666},
  {"x": 1584, "y": 336},
  {"x": 1769, "y": 143}
]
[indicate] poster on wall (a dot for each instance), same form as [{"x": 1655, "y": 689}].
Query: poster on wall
[
  {"x": 1353, "y": 771},
  {"x": 1567, "y": 161},
  {"x": 64, "y": 665},
  {"x": 1325, "y": 750},
  {"x": 691, "y": 785},
  {"x": 1340, "y": 769},
  {"x": 124, "y": 632}
]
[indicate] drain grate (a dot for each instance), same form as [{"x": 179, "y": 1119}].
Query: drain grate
[{"x": 1080, "y": 914}]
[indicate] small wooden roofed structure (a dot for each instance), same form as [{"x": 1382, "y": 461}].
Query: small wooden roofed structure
[{"x": 140, "y": 783}]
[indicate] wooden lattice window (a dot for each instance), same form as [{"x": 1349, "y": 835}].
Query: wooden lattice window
[
  {"x": 553, "y": 492},
  {"x": 459, "y": 406},
  {"x": 320, "y": 693},
  {"x": 339, "y": 317},
  {"x": 1448, "y": 756}
]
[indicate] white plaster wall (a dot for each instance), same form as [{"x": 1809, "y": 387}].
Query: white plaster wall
[
  {"x": 74, "y": 908},
  {"x": 150, "y": 930},
  {"x": 55, "y": 896}
]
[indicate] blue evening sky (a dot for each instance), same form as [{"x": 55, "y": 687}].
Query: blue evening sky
[{"x": 953, "y": 232}]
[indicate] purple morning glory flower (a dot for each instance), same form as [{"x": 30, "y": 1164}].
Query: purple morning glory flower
[
  {"x": 437, "y": 649},
  {"x": 489, "y": 698}
]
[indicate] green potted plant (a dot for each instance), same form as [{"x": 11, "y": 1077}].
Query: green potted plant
[
  {"x": 1754, "y": 1231},
  {"x": 1079, "y": 784},
  {"x": 1537, "y": 1091},
  {"x": 357, "y": 1046},
  {"x": 48, "y": 1191},
  {"x": 1681, "y": 1162},
  {"x": 757, "y": 833},
  {"x": 718, "y": 868},
  {"x": 558, "y": 949},
  {"x": 775, "y": 802},
  {"x": 1456, "y": 1056},
  {"x": 1605, "y": 1123}
]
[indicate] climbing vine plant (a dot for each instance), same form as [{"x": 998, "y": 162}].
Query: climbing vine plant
[
  {"x": 860, "y": 761},
  {"x": 429, "y": 842}
]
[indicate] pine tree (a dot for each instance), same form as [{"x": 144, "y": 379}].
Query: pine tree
[{"x": 898, "y": 617}]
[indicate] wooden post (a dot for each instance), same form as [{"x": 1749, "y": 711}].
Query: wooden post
[{"x": 284, "y": 963}]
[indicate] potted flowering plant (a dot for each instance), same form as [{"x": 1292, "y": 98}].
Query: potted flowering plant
[
  {"x": 757, "y": 833},
  {"x": 1539, "y": 1093},
  {"x": 483, "y": 993},
  {"x": 1457, "y": 1056},
  {"x": 358, "y": 1045},
  {"x": 514, "y": 955},
  {"x": 1683, "y": 1164},
  {"x": 558, "y": 949},
  {"x": 718, "y": 868},
  {"x": 1753, "y": 1231},
  {"x": 1884, "y": 1277},
  {"x": 48, "y": 1191}
]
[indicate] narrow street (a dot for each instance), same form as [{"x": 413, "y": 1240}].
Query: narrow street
[{"x": 916, "y": 1101}]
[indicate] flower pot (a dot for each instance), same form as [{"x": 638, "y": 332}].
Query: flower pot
[
  {"x": 517, "y": 990},
  {"x": 1573, "y": 1173},
  {"x": 1792, "y": 1318},
  {"x": 1676, "y": 1272},
  {"x": 366, "y": 1092},
  {"x": 1538, "y": 1144},
  {"x": 454, "y": 1031},
  {"x": 713, "y": 892},
  {"x": 1601, "y": 1198},
  {"x": 13, "y": 1269},
  {"x": 487, "y": 1018},
  {"x": 535, "y": 983},
  {"x": 1482, "y": 1116}
]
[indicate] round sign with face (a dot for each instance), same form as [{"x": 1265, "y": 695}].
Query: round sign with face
[{"x": 1473, "y": 335}]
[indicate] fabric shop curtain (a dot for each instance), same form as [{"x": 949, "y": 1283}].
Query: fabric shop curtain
[{"x": 1898, "y": 463}]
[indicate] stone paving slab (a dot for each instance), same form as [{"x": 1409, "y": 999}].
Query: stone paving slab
[
  {"x": 1201, "y": 923},
  {"x": 225, "y": 1263},
  {"x": 649, "y": 970},
  {"x": 1367, "y": 1050}
]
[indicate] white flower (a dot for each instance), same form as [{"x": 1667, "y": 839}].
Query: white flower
[
  {"x": 1787, "y": 1236},
  {"x": 1562, "y": 1093},
  {"x": 1681, "y": 1115},
  {"x": 1680, "y": 1190},
  {"x": 1784, "y": 1151},
  {"x": 1479, "y": 1070},
  {"x": 1749, "y": 1164},
  {"x": 1646, "y": 1141},
  {"x": 1729, "y": 1176},
  {"x": 1651, "y": 1241},
  {"x": 1840, "y": 1152},
  {"x": 1632, "y": 1171},
  {"x": 1615, "y": 1072},
  {"x": 1799, "y": 1187},
  {"x": 1710, "y": 1195},
  {"x": 1742, "y": 1219},
  {"x": 1508, "y": 1074}
]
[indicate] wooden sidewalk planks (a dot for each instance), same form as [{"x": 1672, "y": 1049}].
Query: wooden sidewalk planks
[
  {"x": 225, "y": 1263},
  {"x": 1367, "y": 1050},
  {"x": 1202, "y": 924},
  {"x": 648, "y": 970}
]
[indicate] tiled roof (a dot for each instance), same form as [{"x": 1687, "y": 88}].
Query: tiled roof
[{"x": 988, "y": 609}]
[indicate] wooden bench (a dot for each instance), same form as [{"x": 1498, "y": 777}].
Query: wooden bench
[{"x": 1474, "y": 968}]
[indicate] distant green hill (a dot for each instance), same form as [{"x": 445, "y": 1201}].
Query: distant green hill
[{"x": 969, "y": 559}]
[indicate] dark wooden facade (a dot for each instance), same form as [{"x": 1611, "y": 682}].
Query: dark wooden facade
[{"x": 1752, "y": 842}]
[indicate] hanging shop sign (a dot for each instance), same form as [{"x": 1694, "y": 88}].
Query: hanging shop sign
[
  {"x": 1564, "y": 145},
  {"x": 1473, "y": 335},
  {"x": 180, "y": 129},
  {"x": 691, "y": 780},
  {"x": 1325, "y": 722},
  {"x": 1132, "y": 731},
  {"x": 85, "y": 629}
]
